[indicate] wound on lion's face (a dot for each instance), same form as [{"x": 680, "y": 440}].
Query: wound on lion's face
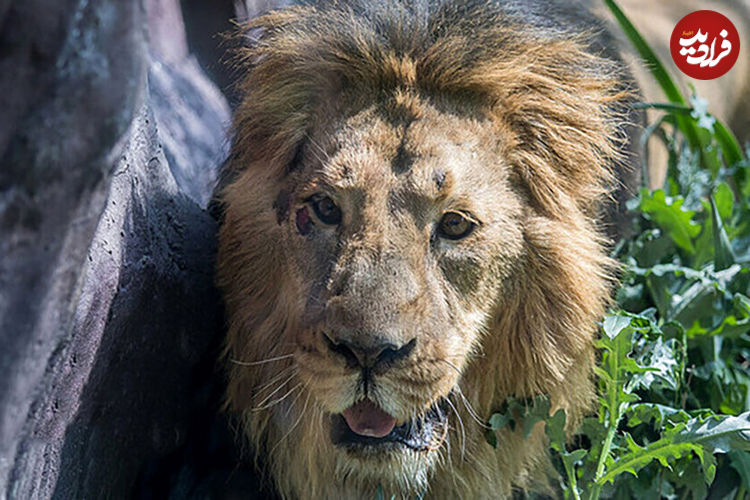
[{"x": 304, "y": 223}]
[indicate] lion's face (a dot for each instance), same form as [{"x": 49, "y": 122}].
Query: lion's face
[
  {"x": 394, "y": 239},
  {"x": 400, "y": 235},
  {"x": 407, "y": 241}
]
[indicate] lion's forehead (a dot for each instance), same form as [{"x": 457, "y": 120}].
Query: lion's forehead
[{"x": 431, "y": 159}]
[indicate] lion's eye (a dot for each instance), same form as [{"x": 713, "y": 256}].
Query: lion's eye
[
  {"x": 455, "y": 226},
  {"x": 326, "y": 210}
]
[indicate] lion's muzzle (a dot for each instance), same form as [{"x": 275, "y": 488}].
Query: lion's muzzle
[{"x": 371, "y": 353}]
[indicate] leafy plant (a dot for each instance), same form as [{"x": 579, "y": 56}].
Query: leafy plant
[{"x": 674, "y": 371}]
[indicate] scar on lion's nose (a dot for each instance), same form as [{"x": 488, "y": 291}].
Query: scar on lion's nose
[{"x": 379, "y": 352}]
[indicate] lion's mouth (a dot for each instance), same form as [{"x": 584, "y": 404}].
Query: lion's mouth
[{"x": 366, "y": 425}]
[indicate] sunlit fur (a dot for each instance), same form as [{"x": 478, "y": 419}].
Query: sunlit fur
[{"x": 400, "y": 112}]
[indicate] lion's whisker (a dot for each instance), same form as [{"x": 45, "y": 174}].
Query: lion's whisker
[
  {"x": 278, "y": 388},
  {"x": 471, "y": 410},
  {"x": 283, "y": 373},
  {"x": 451, "y": 365},
  {"x": 465, "y": 401},
  {"x": 291, "y": 405},
  {"x": 279, "y": 400},
  {"x": 262, "y": 361},
  {"x": 463, "y": 429},
  {"x": 296, "y": 423},
  {"x": 448, "y": 453}
]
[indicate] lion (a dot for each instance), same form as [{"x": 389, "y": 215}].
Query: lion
[{"x": 412, "y": 233}]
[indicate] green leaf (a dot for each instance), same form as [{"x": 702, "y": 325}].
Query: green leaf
[
  {"x": 723, "y": 254},
  {"x": 659, "y": 359},
  {"x": 643, "y": 413},
  {"x": 498, "y": 421},
  {"x": 575, "y": 455},
  {"x": 556, "y": 431},
  {"x": 719, "y": 434},
  {"x": 613, "y": 325},
  {"x": 538, "y": 412},
  {"x": 740, "y": 461},
  {"x": 731, "y": 327},
  {"x": 524, "y": 413},
  {"x": 724, "y": 199},
  {"x": 491, "y": 437},
  {"x": 689, "y": 476},
  {"x": 730, "y": 147},
  {"x": 679, "y": 109},
  {"x": 669, "y": 215},
  {"x": 648, "y": 56},
  {"x": 694, "y": 304}
]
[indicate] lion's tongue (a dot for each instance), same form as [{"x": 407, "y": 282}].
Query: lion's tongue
[{"x": 366, "y": 419}]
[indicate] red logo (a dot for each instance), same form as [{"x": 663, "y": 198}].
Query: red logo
[{"x": 705, "y": 45}]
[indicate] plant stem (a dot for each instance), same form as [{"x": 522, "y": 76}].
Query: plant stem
[
  {"x": 570, "y": 471},
  {"x": 597, "y": 487},
  {"x": 614, "y": 420},
  {"x": 605, "y": 452},
  {"x": 741, "y": 492}
]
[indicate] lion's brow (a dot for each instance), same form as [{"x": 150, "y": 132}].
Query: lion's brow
[{"x": 404, "y": 159}]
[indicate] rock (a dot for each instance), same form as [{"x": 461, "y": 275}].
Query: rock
[{"x": 109, "y": 323}]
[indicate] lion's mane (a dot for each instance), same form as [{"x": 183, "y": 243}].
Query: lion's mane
[{"x": 556, "y": 98}]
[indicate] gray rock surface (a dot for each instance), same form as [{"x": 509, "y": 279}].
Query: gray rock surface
[{"x": 110, "y": 139}]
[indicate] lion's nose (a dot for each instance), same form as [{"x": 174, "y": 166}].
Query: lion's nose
[{"x": 378, "y": 352}]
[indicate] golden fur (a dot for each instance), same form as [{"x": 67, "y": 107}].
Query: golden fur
[{"x": 400, "y": 113}]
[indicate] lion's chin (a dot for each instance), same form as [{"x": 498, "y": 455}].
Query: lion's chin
[
  {"x": 398, "y": 463},
  {"x": 424, "y": 433}
]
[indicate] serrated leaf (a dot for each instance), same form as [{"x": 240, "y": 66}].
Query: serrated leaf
[
  {"x": 708, "y": 461},
  {"x": 643, "y": 413},
  {"x": 722, "y": 432},
  {"x": 688, "y": 477},
  {"x": 661, "y": 362},
  {"x": 713, "y": 435},
  {"x": 525, "y": 413}
]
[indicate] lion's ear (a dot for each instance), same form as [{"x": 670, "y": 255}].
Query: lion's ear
[{"x": 285, "y": 82}]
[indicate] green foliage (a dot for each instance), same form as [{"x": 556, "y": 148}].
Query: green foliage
[{"x": 674, "y": 370}]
